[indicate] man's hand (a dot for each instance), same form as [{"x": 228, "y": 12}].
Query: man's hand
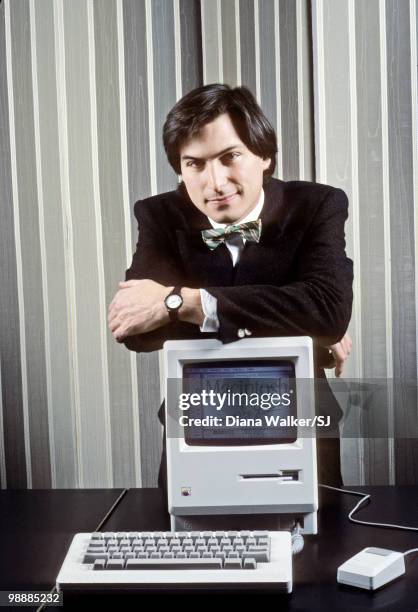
[
  {"x": 138, "y": 307},
  {"x": 341, "y": 351}
]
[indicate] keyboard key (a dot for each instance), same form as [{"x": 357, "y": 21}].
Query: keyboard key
[
  {"x": 99, "y": 564},
  {"x": 201, "y": 548},
  {"x": 162, "y": 542},
  {"x": 261, "y": 557},
  {"x": 233, "y": 564},
  {"x": 115, "y": 564},
  {"x": 97, "y": 536},
  {"x": 137, "y": 542},
  {"x": 96, "y": 549},
  {"x": 91, "y": 557},
  {"x": 170, "y": 564},
  {"x": 221, "y": 556},
  {"x": 257, "y": 549},
  {"x": 226, "y": 542},
  {"x": 187, "y": 542},
  {"x": 250, "y": 563}
]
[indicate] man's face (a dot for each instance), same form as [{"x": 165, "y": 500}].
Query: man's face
[{"x": 222, "y": 176}]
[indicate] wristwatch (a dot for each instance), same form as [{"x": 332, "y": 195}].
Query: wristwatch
[{"x": 173, "y": 303}]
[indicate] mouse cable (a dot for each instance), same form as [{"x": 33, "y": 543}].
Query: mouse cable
[{"x": 367, "y": 497}]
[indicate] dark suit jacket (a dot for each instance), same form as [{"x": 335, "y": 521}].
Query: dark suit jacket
[{"x": 296, "y": 281}]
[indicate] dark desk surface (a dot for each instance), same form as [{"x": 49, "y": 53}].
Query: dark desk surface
[{"x": 36, "y": 528}]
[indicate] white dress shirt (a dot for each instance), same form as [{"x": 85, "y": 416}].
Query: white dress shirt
[{"x": 234, "y": 243}]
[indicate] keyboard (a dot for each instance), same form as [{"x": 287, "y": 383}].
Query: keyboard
[{"x": 141, "y": 560}]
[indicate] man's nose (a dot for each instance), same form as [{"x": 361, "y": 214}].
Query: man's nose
[{"x": 217, "y": 178}]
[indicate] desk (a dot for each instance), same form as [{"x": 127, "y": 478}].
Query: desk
[{"x": 28, "y": 519}]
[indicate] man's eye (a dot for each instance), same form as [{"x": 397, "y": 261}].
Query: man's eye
[
  {"x": 229, "y": 157},
  {"x": 193, "y": 163}
]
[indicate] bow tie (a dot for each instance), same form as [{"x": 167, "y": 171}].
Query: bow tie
[{"x": 250, "y": 231}]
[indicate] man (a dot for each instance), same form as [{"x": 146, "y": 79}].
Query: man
[{"x": 282, "y": 272}]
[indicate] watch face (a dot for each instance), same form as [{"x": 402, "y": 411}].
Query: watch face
[{"x": 173, "y": 302}]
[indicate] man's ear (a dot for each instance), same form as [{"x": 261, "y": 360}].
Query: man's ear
[{"x": 266, "y": 163}]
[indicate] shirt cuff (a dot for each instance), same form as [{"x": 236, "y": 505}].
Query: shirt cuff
[{"x": 210, "y": 310}]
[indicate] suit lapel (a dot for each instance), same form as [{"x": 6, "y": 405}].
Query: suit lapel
[
  {"x": 206, "y": 267},
  {"x": 260, "y": 260}
]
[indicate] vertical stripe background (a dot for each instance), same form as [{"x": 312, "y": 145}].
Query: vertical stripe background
[
  {"x": 13, "y": 457},
  {"x": 84, "y": 89}
]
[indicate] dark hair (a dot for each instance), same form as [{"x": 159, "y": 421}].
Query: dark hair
[{"x": 204, "y": 104}]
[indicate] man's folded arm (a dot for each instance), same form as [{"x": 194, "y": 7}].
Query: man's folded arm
[
  {"x": 318, "y": 304},
  {"x": 155, "y": 259},
  {"x": 154, "y": 340}
]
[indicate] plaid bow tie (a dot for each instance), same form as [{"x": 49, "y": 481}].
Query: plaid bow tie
[{"x": 250, "y": 231}]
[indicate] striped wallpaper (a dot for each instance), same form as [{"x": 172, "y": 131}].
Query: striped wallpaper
[{"x": 84, "y": 89}]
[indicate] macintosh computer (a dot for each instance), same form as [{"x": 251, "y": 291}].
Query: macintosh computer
[
  {"x": 241, "y": 474},
  {"x": 227, "y": 453}
]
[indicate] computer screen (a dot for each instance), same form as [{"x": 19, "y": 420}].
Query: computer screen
[{"x": 240, "y": 402}]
